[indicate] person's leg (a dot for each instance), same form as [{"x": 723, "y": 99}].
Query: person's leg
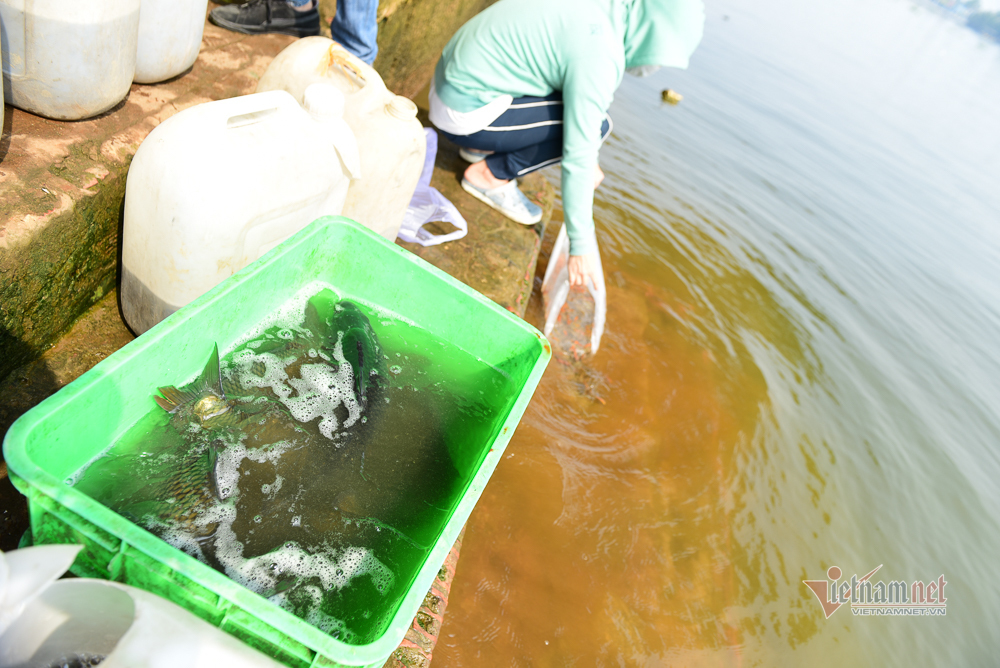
[
  {"x": 522, "y": 161},
  {"x": 355, "y": 27},
  {"x": 528, "y": 121},
  {"x": 288, "y": 17},
  {"x": 526, "y": 137}
]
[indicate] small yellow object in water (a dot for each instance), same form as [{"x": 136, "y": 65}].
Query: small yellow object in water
[{"x": 672, "y": 96}]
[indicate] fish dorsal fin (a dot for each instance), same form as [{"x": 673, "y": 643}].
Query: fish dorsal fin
[
  {"x": 211, "y": 377},
  {"x": 209, "y": 381}
]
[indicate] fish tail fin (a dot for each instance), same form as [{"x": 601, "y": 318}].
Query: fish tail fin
[
  {"x": 165, "y": 404},
  {"x": 172, "y": 398}
]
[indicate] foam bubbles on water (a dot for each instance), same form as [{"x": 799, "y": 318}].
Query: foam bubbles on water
[
  {"x": 289, "y": 316},
  {"x": 274, "y": 376},
  {"x": 333, "y": 568},
  {"x": 270, "y": 490},
  {"x": 318, "y": 391},
  {"x": 329, "y": 625},
  {"x": 230, "y": 458},
  {"x": 269, "y": 453},
  {"x": 188, "y": 537},
  {"x": 321, "y": 390},
  {"x": 227, "y": 470}
]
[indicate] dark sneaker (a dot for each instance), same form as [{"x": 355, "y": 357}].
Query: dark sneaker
[{"x": 266, "y": 16}]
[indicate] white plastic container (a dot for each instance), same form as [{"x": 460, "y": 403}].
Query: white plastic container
[
  {"x": 216, "y": 186},
  {"x": 170, "y": 34},
  {"x": 46, "y": 621},
  {"x": 68, "y": 59},
  {"x": 391, "y": 140}
]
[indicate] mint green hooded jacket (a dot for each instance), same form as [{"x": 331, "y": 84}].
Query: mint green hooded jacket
[{"x": 578, "y": 47}]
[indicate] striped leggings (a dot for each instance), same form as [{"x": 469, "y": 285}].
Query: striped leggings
[{"x": 526, "y": 137}]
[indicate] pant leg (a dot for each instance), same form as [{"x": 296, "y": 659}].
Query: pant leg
[
  {"x": 526, "y": 137},
  {"x": 522, "y": 162},
  {"x": 355, "y": 26}
]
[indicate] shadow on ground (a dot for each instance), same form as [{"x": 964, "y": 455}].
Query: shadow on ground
[{"x": 97, "y": 334}]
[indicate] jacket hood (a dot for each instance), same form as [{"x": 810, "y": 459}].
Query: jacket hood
[{"x": 662, "y": 32}]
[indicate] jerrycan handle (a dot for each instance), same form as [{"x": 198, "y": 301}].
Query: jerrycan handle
[
  {"x": 338, "y": 56},
  {"x": 250, "y": 118},
  {"x": 325, "y": 103}
]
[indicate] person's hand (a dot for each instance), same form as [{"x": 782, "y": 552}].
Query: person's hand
[
  {"x": 598, "y": 177},
  {"x": 582, "y": 266}
]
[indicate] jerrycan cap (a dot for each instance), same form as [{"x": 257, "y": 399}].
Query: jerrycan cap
[
  {"x": 401, "y": 108},
  {"x": 323, "y": 101}
]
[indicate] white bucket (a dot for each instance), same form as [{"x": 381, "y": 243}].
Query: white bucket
[
  {"x": 68, "y": 59},
  {"x": 170, "y": 34},
  {"x": 48, "y": 623},
  {"x": 216, "y": 186},
  {"x": 391, "y": 141}
]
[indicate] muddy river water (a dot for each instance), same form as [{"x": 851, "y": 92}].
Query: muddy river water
[{"x": 800, "y": 368}]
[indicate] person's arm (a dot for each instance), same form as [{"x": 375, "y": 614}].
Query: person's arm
[{"x": 587, "y": 93}]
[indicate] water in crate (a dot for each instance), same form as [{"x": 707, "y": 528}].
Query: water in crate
[{"x": 316, "y": 463}]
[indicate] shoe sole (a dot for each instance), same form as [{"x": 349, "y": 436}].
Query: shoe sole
[
  {"x": 471, "y": 157},
  {"x": 257, "y": 30},
  {"x": 467, "y": 187}
]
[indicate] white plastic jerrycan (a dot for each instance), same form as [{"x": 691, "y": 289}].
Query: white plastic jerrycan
[
  {"x": 216, "y": 186},
  {"x": 68, "y": 59},
  {"x": 44, "y": 622},
  {"x": 391, "y": 140},
  {"x": 170, "y": 34}
]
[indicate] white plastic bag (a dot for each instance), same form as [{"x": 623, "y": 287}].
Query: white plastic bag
[
  {"x": 582, "y": 313},
  {"x": 429, "y": 205}
]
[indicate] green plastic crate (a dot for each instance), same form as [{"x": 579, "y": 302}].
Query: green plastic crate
[{"x": 64, "y": 432}]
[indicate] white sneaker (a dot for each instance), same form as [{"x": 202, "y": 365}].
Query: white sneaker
[{"x": 508, "y": 200}]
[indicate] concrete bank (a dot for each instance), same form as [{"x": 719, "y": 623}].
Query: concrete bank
[{"x": 61, "y": 192}]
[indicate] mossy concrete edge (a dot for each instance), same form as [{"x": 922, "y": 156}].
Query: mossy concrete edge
[{"x": 53, "y": 277}]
